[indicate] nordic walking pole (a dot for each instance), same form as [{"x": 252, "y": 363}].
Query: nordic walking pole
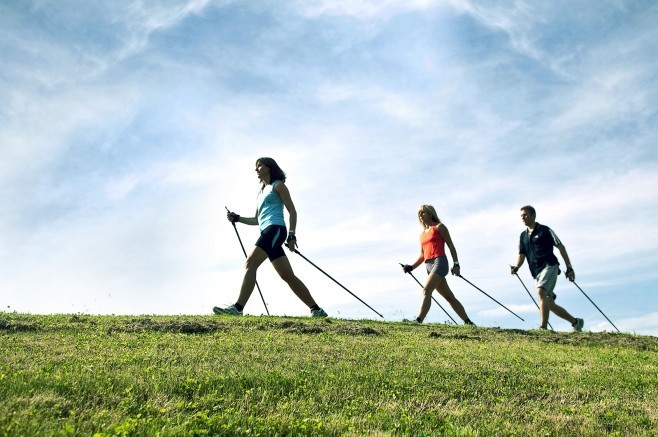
[
  {"x": 327, "y": 274},
  {"x": 479, "y": 289},
  {"x": 435, "y": 301},
  {"x": 245, "y": 255},
  {"x": 533, "y": 299},
  {"x": 606, "y": 317}
]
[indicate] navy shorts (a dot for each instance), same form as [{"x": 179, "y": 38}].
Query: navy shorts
[{"x": 271, "y": 241}]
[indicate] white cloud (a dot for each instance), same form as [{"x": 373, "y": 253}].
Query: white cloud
[
  {"x": 40, "y": 127},
  {"x": 644, "y": 324},
  {"x": 118, "y": 158},
  {"x": 364, "y": 9}
]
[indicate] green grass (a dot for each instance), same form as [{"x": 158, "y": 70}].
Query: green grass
[{"x": 157, "y": 375}]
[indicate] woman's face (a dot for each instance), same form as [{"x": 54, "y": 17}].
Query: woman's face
[
  {"x": 262, "y": 170},
  {"x": 425, "y": 217}
]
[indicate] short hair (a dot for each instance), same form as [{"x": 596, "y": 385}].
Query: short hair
[
  {"x": 430, "y": 210},
  {"x": 276, "y": 173},
  {"x": 529, "y": 209}
]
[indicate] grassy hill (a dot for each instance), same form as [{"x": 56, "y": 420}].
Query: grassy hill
[{"x": 203, "y": 375}]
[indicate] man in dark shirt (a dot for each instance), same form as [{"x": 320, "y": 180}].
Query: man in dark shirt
[{"x": 536, "y": 244}]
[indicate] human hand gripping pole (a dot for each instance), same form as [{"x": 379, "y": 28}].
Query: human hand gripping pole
[
  {"x": 529, "y": 294},
  {"x": 421, "y": 286},
  {"x": 245, "y": 255},
  {"x": 342, "y": 286}
]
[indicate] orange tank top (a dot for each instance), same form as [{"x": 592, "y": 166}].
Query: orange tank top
[{"x": 432, "y": 243}]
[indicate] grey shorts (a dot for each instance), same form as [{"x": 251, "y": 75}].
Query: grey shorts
[
  {"x": 438, "y": 266},
  {"x": 547, "y": 279}
]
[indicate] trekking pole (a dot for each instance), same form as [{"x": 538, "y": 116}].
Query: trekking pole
[
  {"x": 245, "y": 255},
  {"x": 435, "y": 301},
  {"x": 533, "y": 299},
  {"x": 479, "y": 289},
  {"x": 327, "y": 274},
  {"x": 606, "y": 317}
]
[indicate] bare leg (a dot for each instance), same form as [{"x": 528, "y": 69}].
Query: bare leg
[
  {"x": 547, "y": 304},
  {"x": 456, "y": 305},
  {"x": 254, "y": 261},
  {"x": 284, "y": 269},
  {"x": 561, "y": 312},
  {"x": 431, "y": 284}
]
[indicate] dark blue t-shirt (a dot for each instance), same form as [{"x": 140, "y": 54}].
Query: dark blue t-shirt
[{"x": 538, "y": 248}]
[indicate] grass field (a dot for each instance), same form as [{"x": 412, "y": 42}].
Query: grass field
[{"x": 202, "y": 375}]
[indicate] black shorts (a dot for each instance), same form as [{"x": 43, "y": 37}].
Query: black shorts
[{"x": 271, "y": 241}]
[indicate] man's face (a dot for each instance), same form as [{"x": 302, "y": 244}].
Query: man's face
[{"x": 527, "y": 218}]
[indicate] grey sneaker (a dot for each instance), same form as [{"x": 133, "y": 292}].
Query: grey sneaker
[
  {"x": 318, "y": 313},
  {"x": 578, "y": 326},
  {"x": 229, "y": 311}
]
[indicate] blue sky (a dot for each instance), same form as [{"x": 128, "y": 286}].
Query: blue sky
[{"x": 125, "y": 128}]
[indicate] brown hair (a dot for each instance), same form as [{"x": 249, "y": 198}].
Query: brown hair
[
  {"x": 276, "y": 173},
  {"x": 529, "y": 209}
]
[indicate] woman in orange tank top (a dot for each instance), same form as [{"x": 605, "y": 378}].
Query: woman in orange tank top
[{"x": 433, "y": 239}]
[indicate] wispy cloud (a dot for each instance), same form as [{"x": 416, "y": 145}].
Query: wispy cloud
[
  {"x": 363, "y": 9},
  {"x": 127, "y": 128}
]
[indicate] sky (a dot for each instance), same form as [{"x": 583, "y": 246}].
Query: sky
[{"x": 126, "y": 128}]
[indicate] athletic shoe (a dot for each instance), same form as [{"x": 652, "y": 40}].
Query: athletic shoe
[
  {"x": 578, "y": 326},
  {"x": 319, "y": 313},
  {"x": 469, "y": 322},
  {"x": 229, "y": 311}
]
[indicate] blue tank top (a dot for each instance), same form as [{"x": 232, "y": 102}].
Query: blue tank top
[{"x": 270, "y": 207}]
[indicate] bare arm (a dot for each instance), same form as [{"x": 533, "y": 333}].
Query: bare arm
[
  {"x": 565, "y": 256},
  {"x": 282, "y": 190},
  {"x": 246, "y": 220},
  {"x": 519, "y": 262},
  {"x": 443, "y": 230},
  {"x": 416, "y": 263},
  {"x": 419, "y": 260}
]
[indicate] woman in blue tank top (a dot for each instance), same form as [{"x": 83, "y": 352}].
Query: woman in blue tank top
[{"x": 272, "y": 198}]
